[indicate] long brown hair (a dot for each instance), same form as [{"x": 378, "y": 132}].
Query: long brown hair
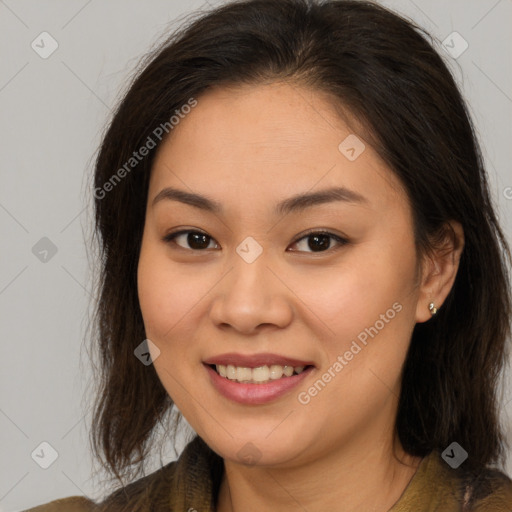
[{"x": 384, "y": 70}]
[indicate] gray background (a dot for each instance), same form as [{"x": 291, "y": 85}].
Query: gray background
[{"x": 52, "y": 114}]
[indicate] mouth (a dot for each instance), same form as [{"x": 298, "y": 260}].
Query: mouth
[
  {"x": 258, "y": 375},
  {"x": 256, "y": 379},
  {"x": 256, "y": 385}
]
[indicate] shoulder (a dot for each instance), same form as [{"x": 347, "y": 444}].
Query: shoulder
[
  {"x": 438, "y": 486},
  {"x": 73, "y": 504},
  {"x": 490, "y": 490},
  {"x": 482, "y": 490},
  {"x": 149, "y": 490},
  {"x": 133, "y": 497},
  {"x": 188, "y": 483}
]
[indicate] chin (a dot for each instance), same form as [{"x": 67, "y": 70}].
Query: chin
[{"x": 257, "y": 450}]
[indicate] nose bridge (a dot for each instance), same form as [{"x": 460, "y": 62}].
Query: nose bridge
[
  {"x": 249, "y": 281},
  {"x": 250, "y": 295},
  {"x": 252, "y": 274}
]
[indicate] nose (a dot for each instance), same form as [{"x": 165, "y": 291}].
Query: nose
[{"x": 251, "y": 297}]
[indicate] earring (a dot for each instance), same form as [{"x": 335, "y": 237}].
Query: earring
[{"x": 432, "y": 308}]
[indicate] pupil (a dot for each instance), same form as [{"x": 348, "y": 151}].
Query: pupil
[
  {"x": 318, "y": 242},
  {"x": 197, "y": 240}
]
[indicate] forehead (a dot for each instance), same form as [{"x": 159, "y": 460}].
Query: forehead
[{"x": 268, "y": 141}]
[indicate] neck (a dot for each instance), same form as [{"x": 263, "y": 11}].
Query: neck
[{"x": 348, "y": 479}]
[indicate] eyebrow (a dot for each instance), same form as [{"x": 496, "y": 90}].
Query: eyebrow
[{"x": 295, "y": 203}]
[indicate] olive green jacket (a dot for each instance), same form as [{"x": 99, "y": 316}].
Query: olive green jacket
[{"x": 191, "y": 484}]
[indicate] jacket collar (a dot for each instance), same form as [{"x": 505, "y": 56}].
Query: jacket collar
[
  {"x": 196, "y": 478},
  {"x": 197, "y": 475}
]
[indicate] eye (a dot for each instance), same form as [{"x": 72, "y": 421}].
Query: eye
[
  {"x": 196, "y": 240},
  {"x": 319, "y": 241}
]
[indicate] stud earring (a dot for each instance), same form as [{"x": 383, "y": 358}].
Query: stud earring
[{"x": 432, "y": 309}]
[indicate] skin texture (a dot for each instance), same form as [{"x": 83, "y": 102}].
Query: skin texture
[{"x": 248, "y": 148}]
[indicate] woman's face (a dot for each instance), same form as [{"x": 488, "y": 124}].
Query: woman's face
[{"x": 255, "y": 282}]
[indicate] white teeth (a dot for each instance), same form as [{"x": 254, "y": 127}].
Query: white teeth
[
  {"x": 257, "y": 375},
  {"x": 243, "y": 374},
  {"x": 230, "y": 372},
  {"x": 260, "y": 374},
  {"x": 276, "y": 371},
  {"x": 288, "y": 371}
]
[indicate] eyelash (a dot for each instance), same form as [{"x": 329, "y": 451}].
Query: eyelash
[{"x": 170, "y": 237}]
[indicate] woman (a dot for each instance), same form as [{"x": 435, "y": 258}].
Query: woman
[{"x": 299, "y": 253}]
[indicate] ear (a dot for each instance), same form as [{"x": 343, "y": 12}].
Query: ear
[{"x": 439, "y": 269}]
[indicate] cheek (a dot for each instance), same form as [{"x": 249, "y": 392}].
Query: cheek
[
  {"x": 168, "y": 301},
  {"x": 166, "y": 296},
  {"x": 367, "y": 308},
  {"x": 155, "y": 294},
  {"x": 352, "y": 295}
]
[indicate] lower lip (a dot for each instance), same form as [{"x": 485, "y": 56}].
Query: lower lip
[{"x": 255, "y": 394}]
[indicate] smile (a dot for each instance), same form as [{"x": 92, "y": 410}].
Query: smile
[
  {"x": 260, "y": 375},
  {"x": 250, "y": 391}
]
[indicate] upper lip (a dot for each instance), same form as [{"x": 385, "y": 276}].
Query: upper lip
[{"x": 255, "y": 360}]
